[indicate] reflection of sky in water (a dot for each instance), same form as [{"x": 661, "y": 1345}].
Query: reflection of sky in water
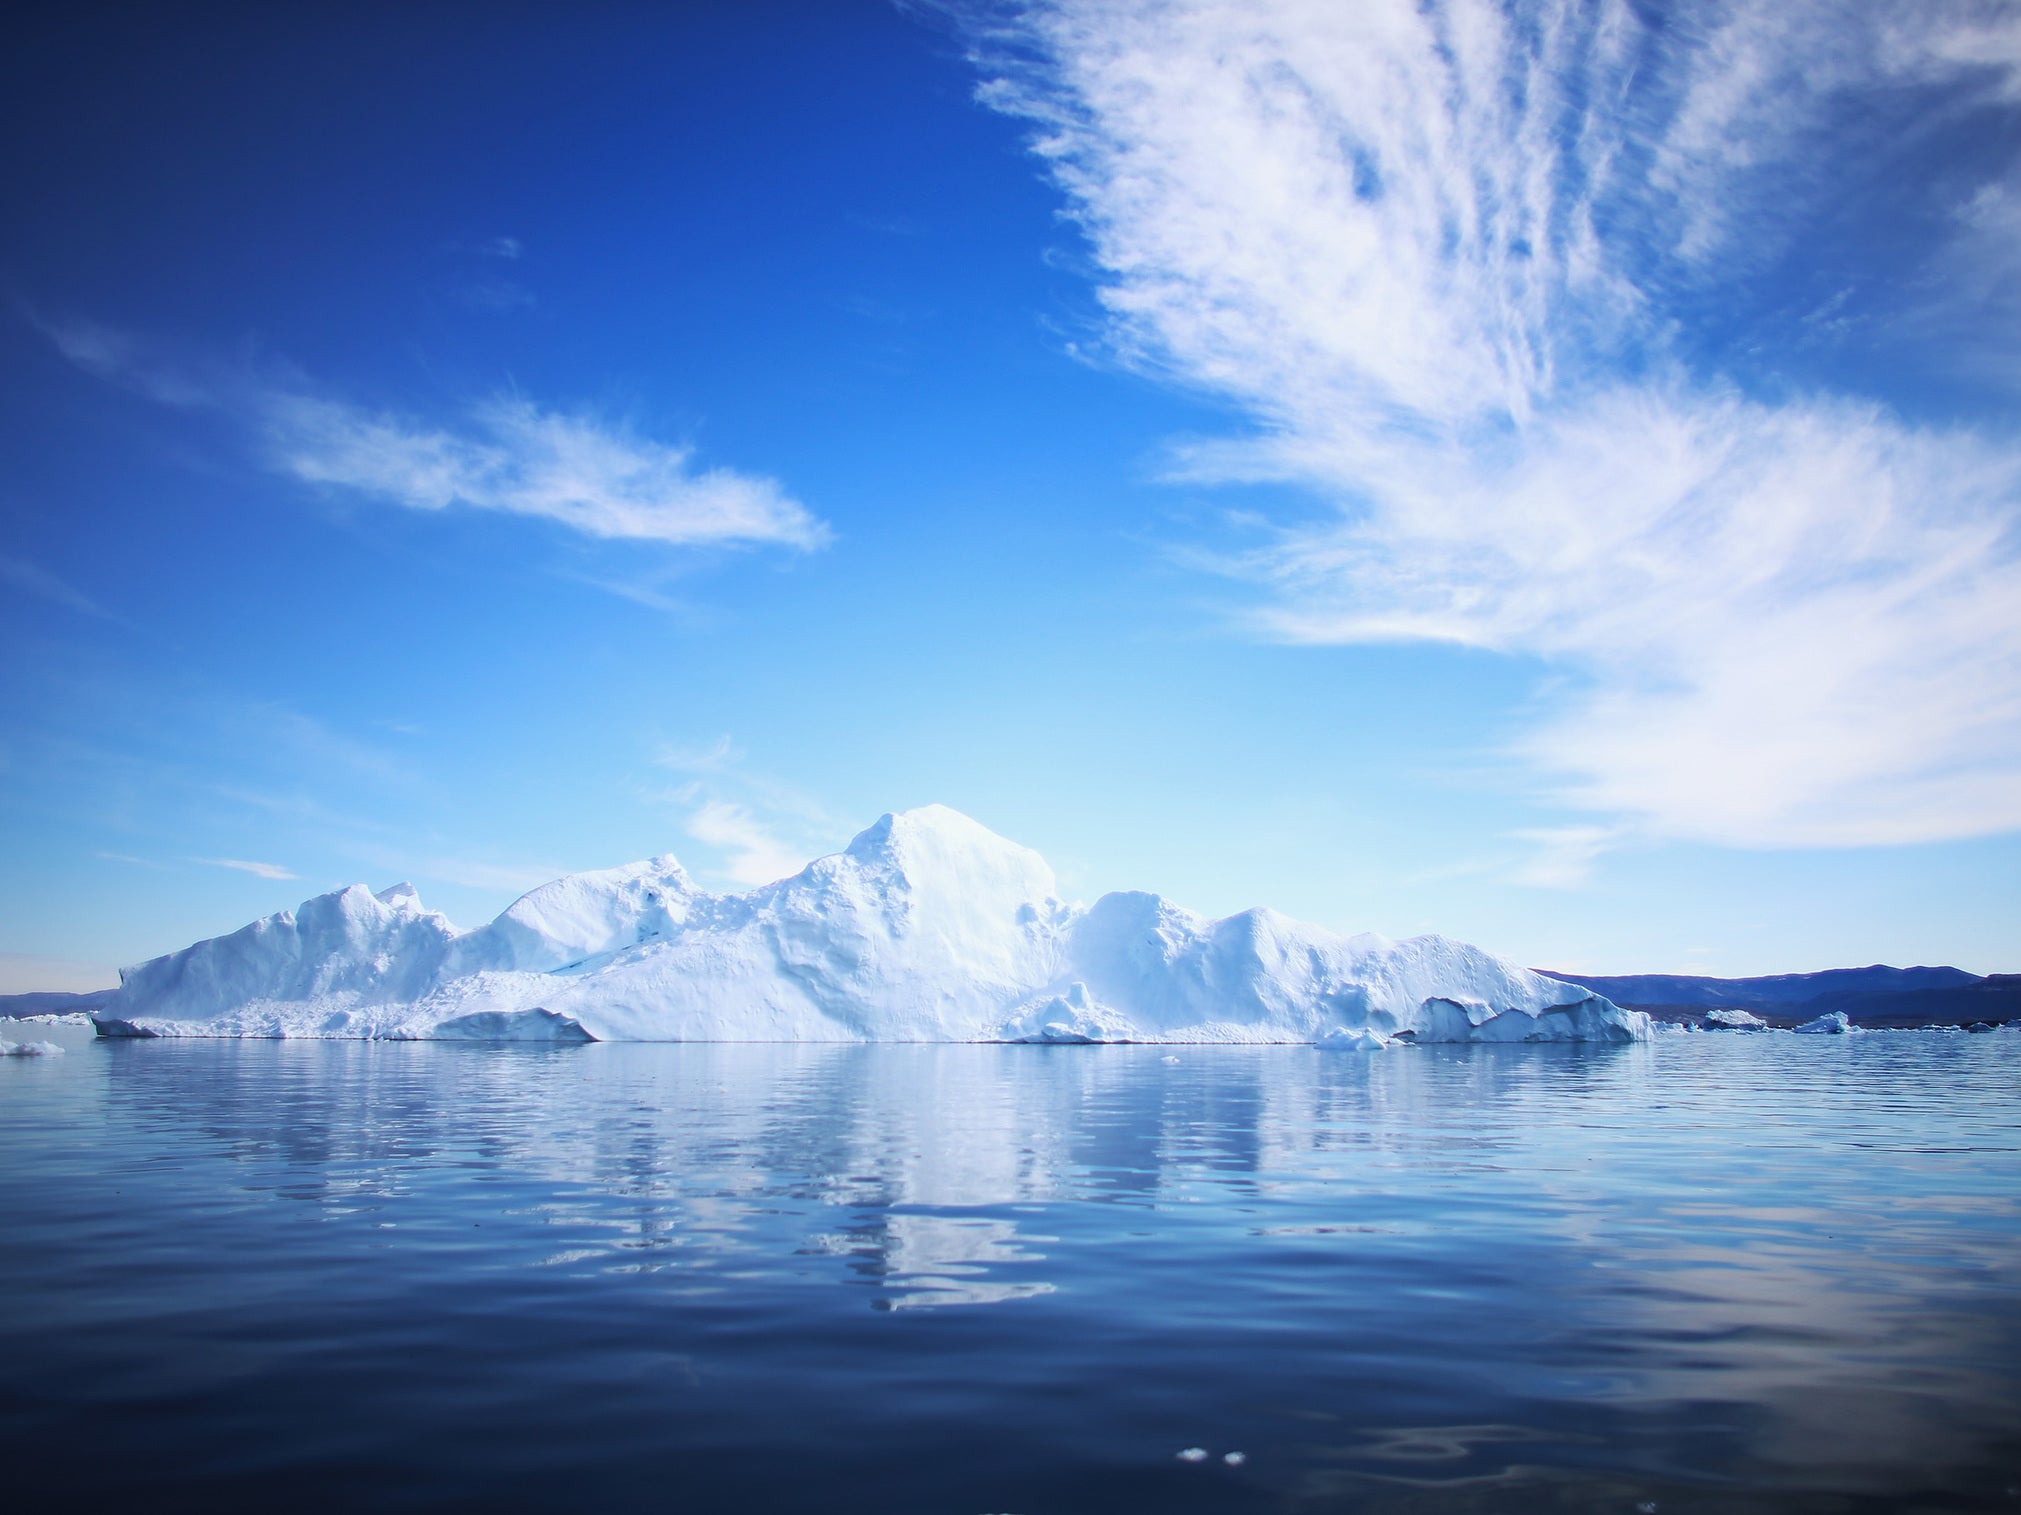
[{"x": 1440, "y": 1269}]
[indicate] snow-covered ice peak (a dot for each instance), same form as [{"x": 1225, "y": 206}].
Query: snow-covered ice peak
[
  {"x": 927, "y": 927},
  {"x": 583, "y": 916},
  {"x": 338, "y": 947},
  {"x": 936, "y": 850}
]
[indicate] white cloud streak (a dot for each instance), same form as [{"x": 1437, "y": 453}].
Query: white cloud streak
[
  {"x": 1564, "y": 855},
  {"x": 1426, "y": 247},
  {"x": 752, "y": 853},
  {"x": 257, "y": 870},
  {"x": 505, "y": 454},
  {"x": 763, "y": 830},
  {"x": 514, "y": 456},
  {"x": 30, "y": 578}
]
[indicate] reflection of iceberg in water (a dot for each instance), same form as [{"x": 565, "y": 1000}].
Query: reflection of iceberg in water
[
  {"x": 904, "y": 1165},
  {"x": 900, "y": 1168},
  {"x": 1391, "y": 1280},
  {"x": 929, "y": 1175},
  {"x": 937, "y": 1259}
]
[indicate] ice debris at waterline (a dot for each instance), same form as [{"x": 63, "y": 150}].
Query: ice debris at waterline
[
  {"x": 929, "y": 928},
  {"x": 30, "y": 1049},
  {"x": 1340, "y": 1039}
]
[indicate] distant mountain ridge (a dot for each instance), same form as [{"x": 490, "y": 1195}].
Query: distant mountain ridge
[
  {"x": 1873, "y": 996},
  {"x": 52, "y": 1002}
]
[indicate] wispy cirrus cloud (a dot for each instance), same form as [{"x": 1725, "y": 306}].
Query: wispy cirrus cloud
[
  {"x": 513, "y": 456},
  {"x": 506, "y": 453},
  {"x": 752, "y": 852},
  {"x": 24, "y": 577},
  {"x": 762, "y": 830},
  {"x": 1445, "y": 256},
  {"x": 242, "y": 865}
]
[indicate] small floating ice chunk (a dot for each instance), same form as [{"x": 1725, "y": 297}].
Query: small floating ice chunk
[
  {"x": 30, "y": 1049},
  {"x": 1838, "y": 1023},
  {"x": 1734, "y": 1020},
  {"x": 1172, "y": 1060},
  {"x": 1236, "y": 1459},
  {"x": 1339, "y": 1039},
  {"x": 1193, "y": 1454}
]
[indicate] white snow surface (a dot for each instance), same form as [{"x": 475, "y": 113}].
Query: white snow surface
[{"x": 928, "y": 928}]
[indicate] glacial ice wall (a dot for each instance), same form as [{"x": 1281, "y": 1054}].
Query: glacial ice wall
[{"x": 927, "y": 928}]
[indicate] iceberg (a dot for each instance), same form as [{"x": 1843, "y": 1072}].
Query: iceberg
[
  {"x": 927, "y": 928},
  {"x": 1838, "y": 1023},
  {"x": 1734, "y": 1020}
]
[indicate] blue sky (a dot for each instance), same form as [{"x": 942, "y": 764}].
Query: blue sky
[{"x": 1544, "y": 473}]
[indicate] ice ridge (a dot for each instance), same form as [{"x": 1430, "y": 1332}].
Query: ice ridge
[{"x": 928, "y": 927}]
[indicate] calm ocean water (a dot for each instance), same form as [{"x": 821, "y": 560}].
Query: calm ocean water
[{"x": 1716, "y": 1273}]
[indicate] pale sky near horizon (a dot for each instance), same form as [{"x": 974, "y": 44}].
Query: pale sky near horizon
[{"x": 1545, "y": 473}]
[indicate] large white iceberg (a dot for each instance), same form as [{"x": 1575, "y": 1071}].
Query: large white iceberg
[{"x": 929, "y": 928}]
